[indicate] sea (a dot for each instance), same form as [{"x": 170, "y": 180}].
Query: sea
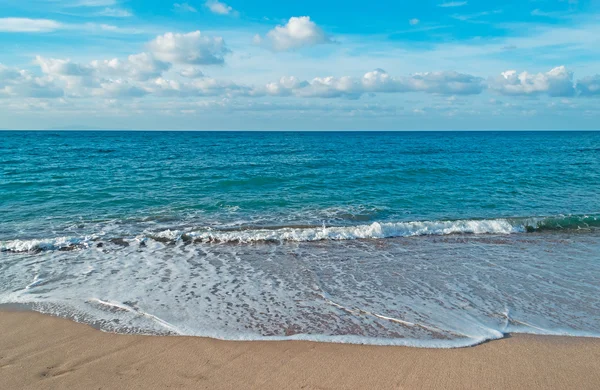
[{"x": 422, "y": 239}]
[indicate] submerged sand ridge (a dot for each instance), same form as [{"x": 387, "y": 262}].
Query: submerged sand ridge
[{"x": 43, "y": 352}]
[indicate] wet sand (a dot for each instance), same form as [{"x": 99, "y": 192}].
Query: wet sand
[{"x": 43, "y": 352}]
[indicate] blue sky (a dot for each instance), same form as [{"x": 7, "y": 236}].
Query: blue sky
[{"x": 311, "y": 65}]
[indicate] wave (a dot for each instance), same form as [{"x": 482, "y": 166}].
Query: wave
[
  {"x": 38, "y": 245},
  {"x": 376, "y": 230}
]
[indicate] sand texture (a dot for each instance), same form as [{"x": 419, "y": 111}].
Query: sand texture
[{"x": 42, "y": 352}]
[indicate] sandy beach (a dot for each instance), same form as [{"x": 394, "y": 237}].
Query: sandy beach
[{"x": 43, "y": 352}]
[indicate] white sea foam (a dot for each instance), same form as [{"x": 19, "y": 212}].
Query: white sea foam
[
  {"x": 171, "y": 328},
  {"x": 374, "y": 230},
  {"x": 422, "y": 292},
  {"x": 45, "y": 244}
]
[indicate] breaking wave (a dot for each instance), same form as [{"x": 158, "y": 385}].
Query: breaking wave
[{"x": 376, "y": 230}]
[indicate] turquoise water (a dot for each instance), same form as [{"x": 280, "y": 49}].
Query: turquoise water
[{"x": 427, "y": 239}]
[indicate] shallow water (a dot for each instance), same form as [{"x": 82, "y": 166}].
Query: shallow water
[{"x": 421, "y": 239}]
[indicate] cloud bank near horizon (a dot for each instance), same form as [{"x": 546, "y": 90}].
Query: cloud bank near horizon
[{"x": 278, "y": 69}]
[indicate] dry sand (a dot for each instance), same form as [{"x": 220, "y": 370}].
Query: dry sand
[{"x": 44, "y": 352}]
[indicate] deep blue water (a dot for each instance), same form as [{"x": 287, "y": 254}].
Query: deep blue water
[{"x": 288, "y": 217}]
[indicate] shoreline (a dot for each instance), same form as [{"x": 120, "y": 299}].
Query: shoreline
[
  {"x": 41, "y": 351},
  {"x": 26, "y": 308}
]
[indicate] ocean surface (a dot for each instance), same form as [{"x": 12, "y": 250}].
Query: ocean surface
[{"x": 426, "y": 239}]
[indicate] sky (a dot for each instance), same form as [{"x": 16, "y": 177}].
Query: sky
[{"x": 300, "y": 65}]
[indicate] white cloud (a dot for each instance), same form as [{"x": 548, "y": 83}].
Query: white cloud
[
  {"x": 142, "y": 74},
  {"x": 192, "y": 49},
  {"x": 378, "y": 81},
  {"x": 95, "y": 27},
  {"x": 556, "y": 82},
  {"x": 414, "y": 21},
  {"x": 114, "y": 13},
  {"x": 170, "y": 69},
  {"x": 184, "y": 7},
  {"x": 109, "y": 78},
  {"x": 452, "y": 4},
  {"x": 72, "y": 78},
  {"x": 139, "y": 67},
  {"x": 297, "y": 33},
  {"x": 29, "y": 25},
  {"x": 477, "y": 15},
  {"x": 324, "y": 87},
  {"x": 217, "y": 7},
  {"x": 89, "y": 3},
  {"x": 116, "y": 78},
  {"x": 25, "y": 25},
  {"x": 8, "y": 74},
  {"x": 191, "y": 72},
  {"x": 138, "y": 74},
  {"x": 120, "y": 89},
  {"x": 257, "y": 39},
  {"x": 589, "y": 86},
  {"x": 285, "y": 86},
  {"x": 142, "y": 66},
  {"x": 60, "y": 67},
  {"x": 446, "y": 83},
  {"x": 197, "y": 88},
  {"x": 21, "y": 83}
]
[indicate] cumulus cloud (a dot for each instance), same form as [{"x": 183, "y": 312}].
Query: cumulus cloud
[
  {"x": 285, "y": 86},
  {"x": 7, "y": 74},
  {"x": 219, "y": 8},
  {"x": 191, "y": 72},
  {"x": 447, "y": 83},
  {"x": 21, "y": 83},
  {"x": 29, "y": 25},
  {"x": 589, "y": 86},
  {"x": 120, "y": 89},
  {"x": 135, "y": 77},
  {"x": 142, "y": 74},
  {"x": 74, "y": 79},
  {"x": 325, "y": 87},
  {"x": 556, "y": 82},
  {"x": 113, "y": 78},
  {"x": 61, "y": 67},
  {"x": 138, "y": 74},
  {"x": 197, "y": 88},
  {"x": 378, "y": 81},
  {"x": 171, "y": 69},
  {"x": 298, "y": 32},
  {"x": 192, "y": 48},
  {"x": 142, "y": 66}
]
